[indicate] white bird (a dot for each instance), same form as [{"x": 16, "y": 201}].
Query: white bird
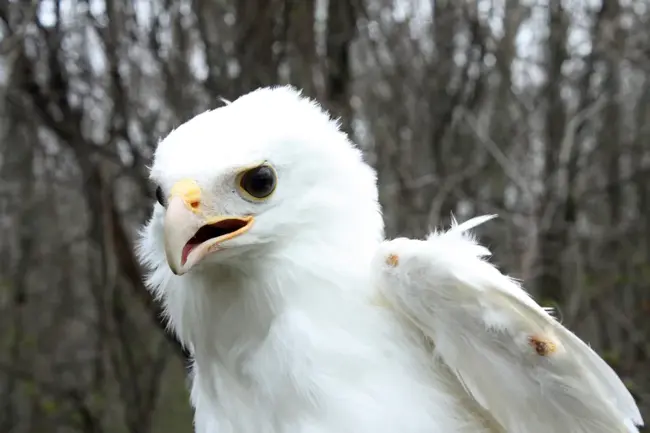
[{"x": 267, "y": 249}]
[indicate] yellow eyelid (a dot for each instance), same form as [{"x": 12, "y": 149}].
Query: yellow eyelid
[{"x": 245, "y": 170}]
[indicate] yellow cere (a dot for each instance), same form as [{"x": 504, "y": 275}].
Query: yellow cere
[{"x": 189, "y": 191}]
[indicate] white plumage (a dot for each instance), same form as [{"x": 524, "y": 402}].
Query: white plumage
[{"x": 302, "y": 318}]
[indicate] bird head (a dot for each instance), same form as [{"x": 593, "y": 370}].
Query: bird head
[{"x": 257, "y": 176}]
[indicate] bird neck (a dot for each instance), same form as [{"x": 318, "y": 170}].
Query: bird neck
[{"x": 223, "y": 313}]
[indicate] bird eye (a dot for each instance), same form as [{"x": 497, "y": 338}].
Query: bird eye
[
  {"x": 259, "y": 182},
  {"x": 160, "y": 196}
]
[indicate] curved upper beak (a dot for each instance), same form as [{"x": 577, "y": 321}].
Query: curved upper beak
[{"x": 189, "y": 235}]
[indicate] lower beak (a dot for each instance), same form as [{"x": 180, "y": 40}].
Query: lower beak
[{"x": 189, "y": 238}]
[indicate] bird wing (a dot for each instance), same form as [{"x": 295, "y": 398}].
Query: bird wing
[{"x": 531, "y": 373}]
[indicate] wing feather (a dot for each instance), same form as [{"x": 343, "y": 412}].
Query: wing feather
[{"x": 523, "y": 366}]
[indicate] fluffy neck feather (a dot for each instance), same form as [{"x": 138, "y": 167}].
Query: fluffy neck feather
[{"x": 224, "y": 312}]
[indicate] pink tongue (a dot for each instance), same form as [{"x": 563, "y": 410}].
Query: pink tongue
[{"x": 187, "y": 249}]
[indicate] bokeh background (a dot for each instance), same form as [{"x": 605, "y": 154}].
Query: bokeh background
[{"x": 538, "y": 110}]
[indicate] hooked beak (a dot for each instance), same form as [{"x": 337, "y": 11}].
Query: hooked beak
[{"x": 189, "y": 236}]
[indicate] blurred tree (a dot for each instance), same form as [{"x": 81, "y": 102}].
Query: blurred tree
[{"x": 533, "y": 110}]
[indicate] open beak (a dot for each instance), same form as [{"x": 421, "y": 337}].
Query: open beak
[{"x": 189, "y": 236}]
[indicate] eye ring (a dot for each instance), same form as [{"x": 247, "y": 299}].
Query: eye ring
[
  {"x": 257, "y": 183},
  {"x": 160, "y": 196}
]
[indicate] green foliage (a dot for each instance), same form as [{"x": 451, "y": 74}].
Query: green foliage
[{"x": 49, "y": 406}]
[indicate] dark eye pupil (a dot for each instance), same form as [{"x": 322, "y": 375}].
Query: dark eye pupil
[
  {"x": 160, "y": 196},
  {"x": 259, "y": 182}
]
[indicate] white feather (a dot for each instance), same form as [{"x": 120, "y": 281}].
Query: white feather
[
  {"x": 287, "y": 323},
  {"x": 485, "y": 327}
]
